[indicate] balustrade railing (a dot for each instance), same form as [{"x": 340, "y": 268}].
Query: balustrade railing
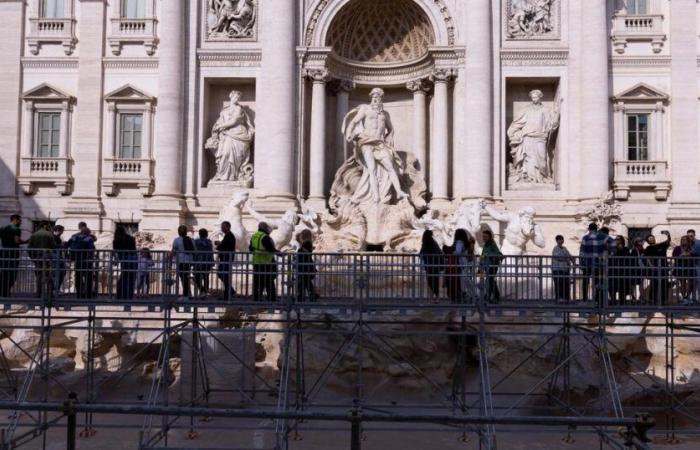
[
  {"x": 640, "y": 170},
  {"x": 350, "y": 280}
]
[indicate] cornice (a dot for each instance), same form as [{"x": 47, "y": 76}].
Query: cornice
[
  {"x": 640, "y": 61},
  {"x": 49, "y": 63},
  {"x": 238, "y": 58},
  {"x": 130, "y": 63},
  {"x": 539, "y": 57}
]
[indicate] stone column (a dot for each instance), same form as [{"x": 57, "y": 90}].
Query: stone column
[
  {"x": 439, "y": 159},
  {"x": 11, "y": 48},
  {"x": 619, "y": 127},
  {"x": 342, "y": 89},
  {"x": 146, "y": 138},
  {"x": 684, "y": 111},
  {"x": 65, "y": 132},
  {"x": 277, "y": 105},
  {"x": 28, "y": 130},
  {"x": 170, "y": 115},
  {"x": 317, "y": 149},
  {"x": 87, "y": 131},
  {"x": 111, "y": 140},
  {"x": 595, "y": 103},
  {"x": 658, "y": 133},
  {"x": 420, "y": 89},
  {"x": 475, "y": 157}
]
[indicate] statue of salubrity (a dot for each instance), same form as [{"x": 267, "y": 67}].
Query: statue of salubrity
[
  {"x": 230, "y": 142},
  {"x": 531, "y": 137}
]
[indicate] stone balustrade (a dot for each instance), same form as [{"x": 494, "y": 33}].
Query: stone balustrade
[
  {"x": 35, "y": 171},
  {"x": 61, "y": 30},
  {"x": 127, "y": 172},
  {"x": 133, "y": 31},
  {"x": 643, "y": 175},
  {"x": 640, "y": 28}
]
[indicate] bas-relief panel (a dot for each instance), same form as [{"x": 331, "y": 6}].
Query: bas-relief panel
[
  {"x": 230, "y": 20},
  {"x": 525, "y": 20}
]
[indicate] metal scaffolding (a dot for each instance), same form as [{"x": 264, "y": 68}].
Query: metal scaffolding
[{"x": 205, "y": 367}]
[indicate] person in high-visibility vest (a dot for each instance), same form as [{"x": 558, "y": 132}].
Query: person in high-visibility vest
[{"x": 264, "y": 267}]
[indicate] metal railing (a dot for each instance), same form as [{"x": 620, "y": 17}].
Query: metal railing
[{"x": 351, "y": 279}]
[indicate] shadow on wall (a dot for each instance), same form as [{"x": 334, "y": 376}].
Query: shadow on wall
[{"x": 13, "y": 201}]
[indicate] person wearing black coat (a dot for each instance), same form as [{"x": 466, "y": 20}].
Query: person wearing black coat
[
  {"x": 306, "y": 272},
  {"x": 619, "y": 272},
  {"x": 226, "y": 249},
  {"x": 124, "y": 247},
  {"x": 656, "y": 259},
  {"x": 432, "y": 258}
]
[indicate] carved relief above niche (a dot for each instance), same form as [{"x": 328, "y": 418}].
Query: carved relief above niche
[
  {"x": 532, "y": 19},
  {"x": 231, "y": 20}
]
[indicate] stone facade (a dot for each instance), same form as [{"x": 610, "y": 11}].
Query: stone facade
[{"x": 108, "y": 108}]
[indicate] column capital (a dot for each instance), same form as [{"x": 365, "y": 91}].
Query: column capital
[
  {"x": 443, "y": 75},
  {"x": 320, "y": 75},
  {"x": 337, "y": 86},
  {"x": 619, "y": 107},
  {"x": 419, "y": 85}
]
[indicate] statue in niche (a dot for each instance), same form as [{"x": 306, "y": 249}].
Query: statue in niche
[
  {"x": 531, "y": 142},
  {"x": 232, "y": 137},
  {"x": 232, "y": 18},
  {"x": 530, "y": 18},
  {"x": 370, "y": 130},
  {"x": 520, "y": 229}
]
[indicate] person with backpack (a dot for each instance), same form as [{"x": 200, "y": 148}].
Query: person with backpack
[
  {"x": 432, "y": 259},
  {"x": 82, "y": 252},
  {"x": 124, "y": 247},
  {"x": 41, "y": 245},
  {"x": 264, "y": 265},
  {"x": 204, "y": 261},
  {"x": 306, "y": 269},
  {"x": 456, "y": 260},
  {"x": 183, "y": 250}
]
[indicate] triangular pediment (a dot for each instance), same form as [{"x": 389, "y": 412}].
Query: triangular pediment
[
  {"x": 128, "y": 93},
  {"x": 641, "y": 92},
  {"x": 46, "y": 92}
]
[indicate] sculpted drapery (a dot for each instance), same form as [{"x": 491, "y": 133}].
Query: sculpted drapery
[{"x": 232, "y": 137}]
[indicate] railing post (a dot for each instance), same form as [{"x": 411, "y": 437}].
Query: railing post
[
  {"x": 355, "y": 431},
  {"x": 70, "y": 414}
]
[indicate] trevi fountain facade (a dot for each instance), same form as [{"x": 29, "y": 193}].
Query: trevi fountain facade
[{"x": 366, "y": 121}]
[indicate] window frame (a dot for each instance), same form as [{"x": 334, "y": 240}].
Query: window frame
[
  {"x": 627, "y": 131},
  {"x": 634, "y": 5},
  {"x": 43, "y": 8},
  {"x": 119, "y": 150},
  {"x": 38, "y": 114},
  {"x": 142, "y": 5}
]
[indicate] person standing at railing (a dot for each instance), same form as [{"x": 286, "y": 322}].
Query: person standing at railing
[
  {"x": 11, "y": 239},
  {"x": 684, "y": 269},
  {"x": 656, "y": 259},
  {"x": 82, "y": 252},
  {"x": 638, "y": 269},
  {"x": 226, "y": 249},
  {"x": 433, "y": 261},
  {"x": 204, "y": 262},
  {"x": 455, "y": 263},
  {"x": 491, "y": 258},
  {"x": 306, "y": 269},
  {"x": 182, "y": 250},
  {"x": 619, "y": 272},
  {"x": 59, "y": 263},
  {"x": 695, "y": 246},
  {"x": 264, "y": 267},
  {"x": 593, "y": 248},
  {"x": 146, "y": 265},
  {"x": 124, "y": 247},
  {"x": 561, "y": 270},
  {"x": 41, "y": 245}
]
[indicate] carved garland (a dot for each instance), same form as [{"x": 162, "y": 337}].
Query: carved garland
[{"x": 444, "y": 10}]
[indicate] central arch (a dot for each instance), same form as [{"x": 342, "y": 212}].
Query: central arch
[{"x": 324, "y": 12}]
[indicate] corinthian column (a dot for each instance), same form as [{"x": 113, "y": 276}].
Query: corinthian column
[
  {"x": 595, "y": 124},
  {"x": 276, "y": 98},
  {"x": 317, "y": 150},
  {"x": 342, "y": 89},
  {"x": 440, "y": 141},
  {"x": 475, "y": 157},
  {"x": 420, "y": 89}
]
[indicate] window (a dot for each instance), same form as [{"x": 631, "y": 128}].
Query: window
[
  {"x": 130, "y": 134},
  {"x": 133, "y": 9},
  {"x": 130, "y": 227},
  {"x": 637, "y": 7},
  {"x": 52, "y": 9},
  {"x": 48, "y": 142},
  {"x": 638, "y": 137},
  {"x": 36, "y": 224}
]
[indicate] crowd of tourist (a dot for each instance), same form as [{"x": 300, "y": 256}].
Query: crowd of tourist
[
  {"x": 605, "y": 266},
  {"x": 193, "y": 261}
]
